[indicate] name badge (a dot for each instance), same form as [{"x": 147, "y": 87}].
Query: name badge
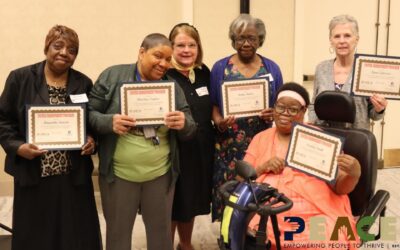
[
  {"x": 269, "y": 76},
  {"x": 202, "y": 91},
  {"x": 149, "y": 132},
  {"x": 79, "y": 98}
]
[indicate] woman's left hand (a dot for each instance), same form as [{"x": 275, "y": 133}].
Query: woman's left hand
[
  {"x": 267, "y": 114},
  {"x": 379, "y": 102},
  {"x": 89, "y": 147},
  {"x": 349, "y": 165},
  {"x": 274, "y": 165},
  {"x": 175, "y": 120}
]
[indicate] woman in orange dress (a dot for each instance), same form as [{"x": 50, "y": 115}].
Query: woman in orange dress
[{"x": 311, "y": 196}]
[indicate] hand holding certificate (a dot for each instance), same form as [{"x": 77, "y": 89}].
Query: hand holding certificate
[
  {"x": 314, "y": 152},
  {"x": 244, "y": 98},
  {"x": 56, "y": 127},
  {"x": 148, "y": 103},
  {"x": 376, "y": 75}
]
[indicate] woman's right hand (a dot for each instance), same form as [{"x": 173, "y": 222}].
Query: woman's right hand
[
  {"x": 224, "y": 123},
  {"x": 123, "y": 123},
  {"x": 274, "y": 165},
  {"x": 30, "y": 151}
]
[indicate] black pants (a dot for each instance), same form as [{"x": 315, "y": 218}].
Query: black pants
[{"x": 55, "y": 215}]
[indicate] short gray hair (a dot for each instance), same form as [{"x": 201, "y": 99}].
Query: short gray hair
[
  {"x": 343, "y": 19},
  {"x": 242, "y": 22}
]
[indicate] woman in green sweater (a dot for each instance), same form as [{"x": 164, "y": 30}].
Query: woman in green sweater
[{"x": 135, "y": 169}]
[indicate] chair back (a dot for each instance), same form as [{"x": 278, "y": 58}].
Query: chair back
[{"x": 332, "y": 107}]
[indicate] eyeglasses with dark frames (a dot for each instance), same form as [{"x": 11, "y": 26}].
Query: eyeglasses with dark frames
[
  {"x": 240, "y": 40},
  {"x": 280, "y": 109}
]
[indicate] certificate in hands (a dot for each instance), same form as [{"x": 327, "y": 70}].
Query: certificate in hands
[
  {"x": 244, "y": 98},
  {"x": 56, "y": 127},
  {"x": 148, "y": 102},
  {"x": 314, "y": 152},
  {"x": 376, "y": 75}
]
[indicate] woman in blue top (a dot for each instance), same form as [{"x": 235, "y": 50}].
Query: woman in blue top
[{"x": 234, "y": 135}]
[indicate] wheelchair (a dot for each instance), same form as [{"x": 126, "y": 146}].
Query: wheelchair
[
  {"x": 243, "y": 200},
  {"x": 337, "y": 111}
]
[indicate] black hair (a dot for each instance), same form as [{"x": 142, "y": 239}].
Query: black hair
[
  {"x": 299, "y": 89},
  {"x": 155, "y": 39}
]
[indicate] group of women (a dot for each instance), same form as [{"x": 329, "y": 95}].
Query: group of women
[{"x": 168, "y": 173}]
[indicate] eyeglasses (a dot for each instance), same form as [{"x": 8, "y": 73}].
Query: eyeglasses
[
  {"x": 190, "y": 46},
  {"x": 242, "y": 39},
  {"x": 280, "y": 109}
]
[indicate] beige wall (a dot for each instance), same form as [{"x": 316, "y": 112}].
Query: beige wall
[
  {"x": 214, "y": 17},
  {"x": 111, "y": 32}
]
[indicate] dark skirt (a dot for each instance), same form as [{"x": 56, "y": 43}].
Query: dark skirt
[
  {"x": 193, "y": 188},
  {"x": 55, "y": 215}
]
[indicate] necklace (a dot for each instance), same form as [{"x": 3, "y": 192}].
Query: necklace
[
  {"x": 341, "y": 72},
  {"x": 56, "y": 84},
  {"x": 55, "y": 80},
  {"x": 60, "y": 83}
]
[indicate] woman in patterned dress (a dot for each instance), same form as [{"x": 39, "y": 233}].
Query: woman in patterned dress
[
  {"x": 247, "y": 34},
  {"x": 54, "y": 205}
]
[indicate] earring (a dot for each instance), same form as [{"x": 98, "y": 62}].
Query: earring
[{"x": 331, "y": 50}]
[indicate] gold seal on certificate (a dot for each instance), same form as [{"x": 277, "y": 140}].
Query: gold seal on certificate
[
  {"x": 148, "y": 102},
  {"x": 56, "y": 127},
  {"x": 244, "y": 98},
  {"x": 314, "y": 152},
  {"x": 376, "y": 75}
]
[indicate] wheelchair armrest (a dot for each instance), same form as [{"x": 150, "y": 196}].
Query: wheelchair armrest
[
  {"x": 377, "y": 204},
  {"x": 376, "y": 208},
  {"x": 227, "y": 188},
  {"x": 5, "y": 228}
]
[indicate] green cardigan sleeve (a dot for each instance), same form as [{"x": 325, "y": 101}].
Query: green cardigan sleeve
[{"x": 104, "y": 100}]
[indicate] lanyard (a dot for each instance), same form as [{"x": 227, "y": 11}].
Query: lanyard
[{"x": 148, "y": 131}]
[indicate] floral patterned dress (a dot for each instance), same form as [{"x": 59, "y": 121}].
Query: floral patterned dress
[{"x": 231, "y": 145}]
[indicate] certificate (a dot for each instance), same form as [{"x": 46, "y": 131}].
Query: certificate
[
  {"x": 244, "y": 98},
  {"x": 376, "y": 75},
  {"x": 148, "y": 103},
  {"x": 314, "y": 152},
  {"x": 56, "y": 127}
]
